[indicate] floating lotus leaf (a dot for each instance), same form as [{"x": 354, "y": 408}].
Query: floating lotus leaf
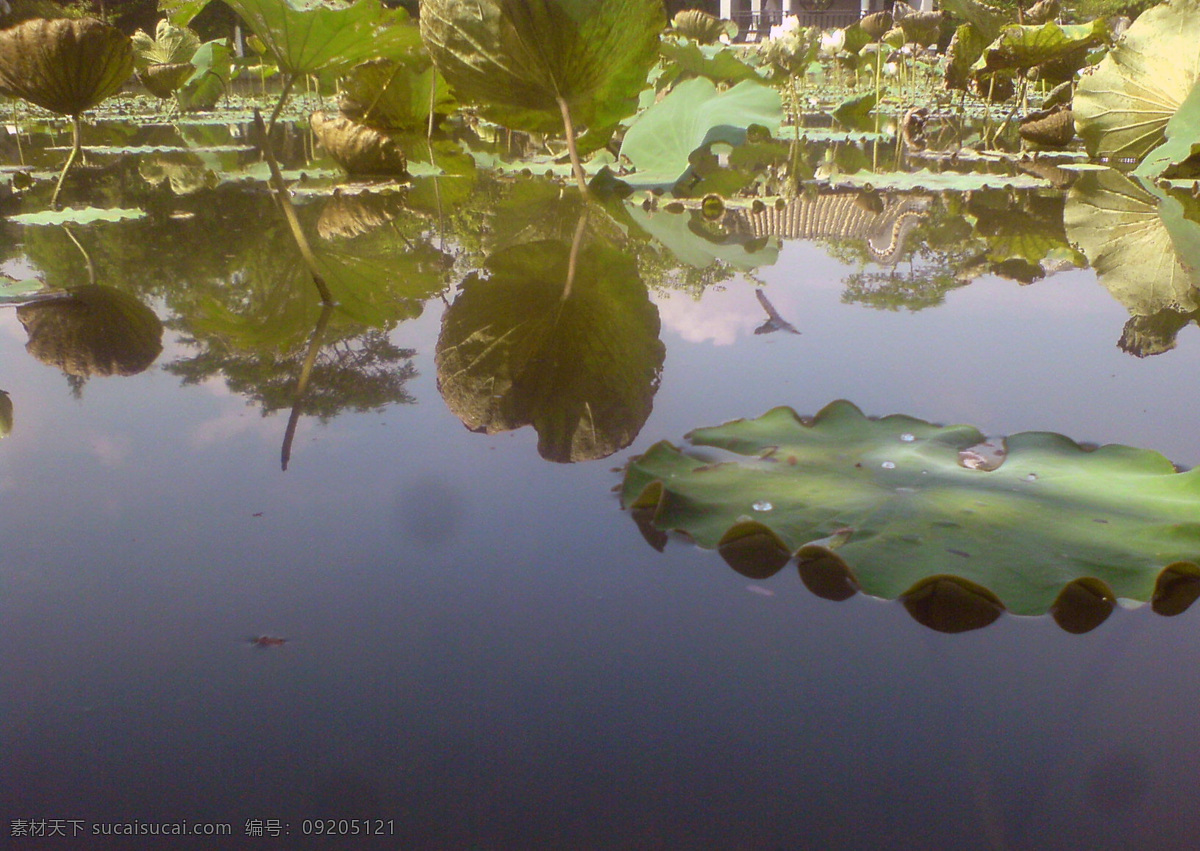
[
  {"x": 1123, "y": 107},
  {"x": 309, "y": 36},
  {"x": 65, "y": 65},
  {"x": 1143, "y": 242},
  {"x": 661, "y": 141},
  {"x": 95, "y": 331},
  {"x": 518, "y": 57},
  {"x": 702, "y": 27},
  {"x": 394, "y": 94},
  {"x": 579, "y": 364},
  {"x": 80, "y": 216},
  {"x": 937, "y": 180},
  {"x": 358, "y": 149},
  {"x": 895, "y": 507}
]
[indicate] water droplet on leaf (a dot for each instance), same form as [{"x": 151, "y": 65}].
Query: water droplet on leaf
[
  {"x": 888, "y": 465},
  {"x": 762, "y": 505}
]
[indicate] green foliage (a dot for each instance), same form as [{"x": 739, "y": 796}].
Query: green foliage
[{"x": 518, "y": 59}]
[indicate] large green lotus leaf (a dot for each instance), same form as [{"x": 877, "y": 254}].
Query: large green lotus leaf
[
  {"x": 702, "y": 27},
  {"x": 580, "y": 363},
  {"x": 308, "y": 36},
  {"x": 1143, "y": 242},
  {"x": 1023, "y": 47},
  {"x": 695, "y": 114},
  {"x": 894, "y": 502},
  {"x": 516, "y": 58},
  {"x": 964, "y": 49},
  {"x": 64, "y": 65},
  {"x": 1122, "y": 108},
  {"x": 1182, "y": 141}
]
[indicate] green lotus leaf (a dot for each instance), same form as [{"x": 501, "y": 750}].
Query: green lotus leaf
[
  {"x": 516, "y": 58},
  {"x": 65, "y": 65},
  {"x": 80, "y": 216},
  {"x": 702, "y": 27},
  {"x": 579, "y": 361},
  {"x": 964, "y": 49},
  {"x": 662, "y": 139},
  {"x": 358, "y": 149},
  {"x": 171, "y": 45},
  {"x": 1123, "y": 107},
  {"x": 1182, "y": 142},
  {"x": 901, "y": 507},
  {"x": 212, "y": 71},
  {"x": 987, "y": 20},
  {"x": 717, "y": 62},
  {"x": 1144, "y": 243},
  {"x": 310, "y": 36},
  {"x": 935, "y": 180},
  {"x": 1019, "y": 48},
  {"x": 395, "y": 94},
  {"x": 6, "y": 414},
  {"x": 95, "y": 330}
]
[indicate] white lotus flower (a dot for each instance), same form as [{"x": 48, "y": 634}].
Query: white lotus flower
[
  {"x": 832, "y": 42},
  {"x": 790, "y": 24}
]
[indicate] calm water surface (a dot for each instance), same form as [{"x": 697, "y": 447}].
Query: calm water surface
[{"x": 483, "y": 651}]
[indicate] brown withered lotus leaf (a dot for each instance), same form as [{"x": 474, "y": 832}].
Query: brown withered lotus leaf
[
  {"x": 358, "y": 149},
  {"x": 876, "y": 24},
  {"x": 1053, "y": 128},
  {"x": 64, "y": 65},
  {"x": 97, "y": 331},
  {"x": 1042, "y": 12},
  {"x": 348, "y": 216},
  {"x": 163, "y": 79}
]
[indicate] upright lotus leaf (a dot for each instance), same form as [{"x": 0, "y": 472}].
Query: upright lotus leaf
[
  {"x": 395, "y": 94},
  {"x": 1123, "y": 107},
  {"x": 695, "y": 114},
  {"x": 65, "y": 65},
  {"x": 1143, "y": 242},
  {"x": 1019, "y": 48},
  {"x": 521, "y": 59},
  {"x": 718, "y": 62},
  {"x": 964, "y": 49},
  {"x": 171, "y": 45},
  {"x": 212, "y": 71},
  {"x": 578, "y": 362},
  {"x": 6, "y": 414},
  {"x": 311, "y": 36},
  {"x": 986, "y": 19},
  {"x": 356, "y": 148},
  {"x": 1177, "y": 156},
  {"x": 904, "y": 509},
  {"x": 702, "y": 27},
  {"x": 97, "y": 330}
]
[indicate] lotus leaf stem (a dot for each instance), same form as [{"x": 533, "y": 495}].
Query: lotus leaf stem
[
  {"x": 310, "y": 358},
  {"x": 569, "y": 126},
  {"x": 288, "y": 80},
  {"x": 289, "y": 212},
  {"x": 573, "y": 259},
  {"x": 76, "y": 148}
]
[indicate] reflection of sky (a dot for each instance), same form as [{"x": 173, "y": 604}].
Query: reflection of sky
[{"x": 484, "y": 649}]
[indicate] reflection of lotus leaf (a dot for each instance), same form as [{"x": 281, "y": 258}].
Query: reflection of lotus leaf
[
  {"x": 582, "y": 368},
  {"x": 893, "y": 504},
  {"x": 358, "y": 149},
  {"x": 96, "y": 331},
  {"x": 6, "y": 414},
  {"x": 348, "y": 216},
  {"x": 1140, "y": 241},
  {"x": 64, "y": 65}
]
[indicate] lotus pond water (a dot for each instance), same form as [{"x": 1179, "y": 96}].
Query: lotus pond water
[{"x": 798, "y": 483}]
